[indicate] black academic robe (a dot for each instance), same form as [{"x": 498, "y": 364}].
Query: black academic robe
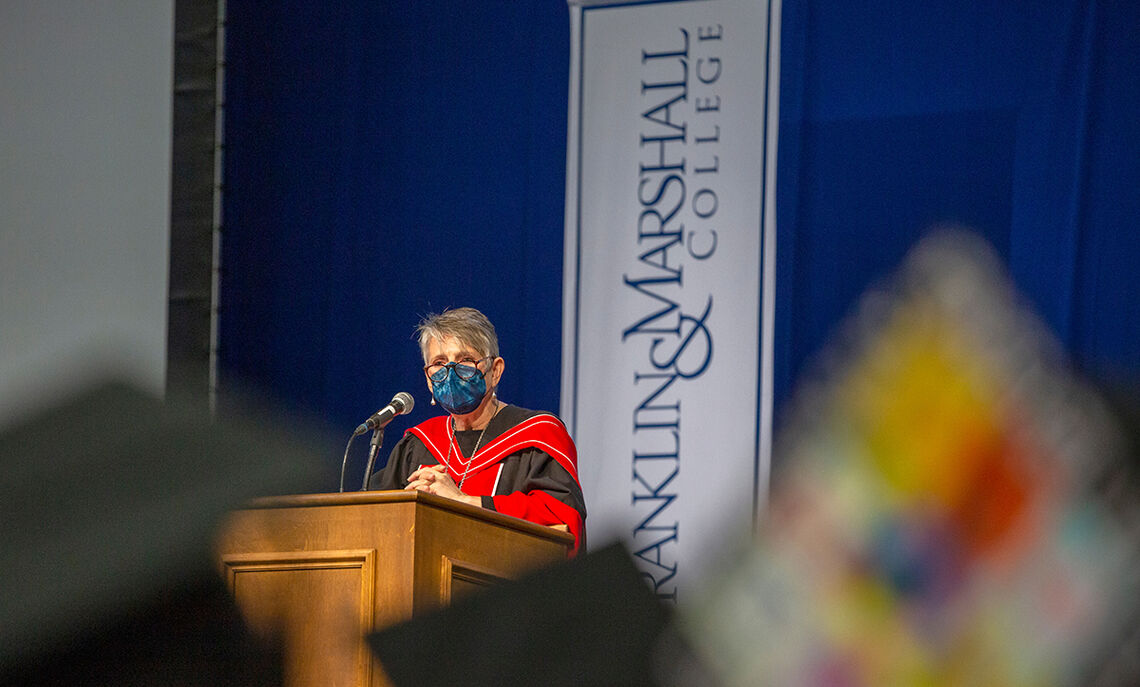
[{"x": 526, "y": 466}]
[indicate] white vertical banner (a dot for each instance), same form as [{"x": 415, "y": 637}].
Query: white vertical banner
[{"x": 668, "y": 277}]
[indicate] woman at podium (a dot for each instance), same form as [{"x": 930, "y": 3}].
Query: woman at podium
[{"x": 484, "y": 452}]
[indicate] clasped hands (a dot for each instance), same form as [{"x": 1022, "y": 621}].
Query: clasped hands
[{"x": 434, "y": 480}]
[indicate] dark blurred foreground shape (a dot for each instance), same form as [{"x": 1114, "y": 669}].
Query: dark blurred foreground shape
[
  {"x": 108, "y": 508},
  {"x": 589, "y": 621}
]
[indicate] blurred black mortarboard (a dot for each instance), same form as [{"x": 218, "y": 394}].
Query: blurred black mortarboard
[
  {"x": 109, "y": 504},
  {"x": 589, "y": 621}
]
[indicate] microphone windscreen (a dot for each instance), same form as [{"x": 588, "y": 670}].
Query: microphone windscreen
[{"x": 406, "y": 402}]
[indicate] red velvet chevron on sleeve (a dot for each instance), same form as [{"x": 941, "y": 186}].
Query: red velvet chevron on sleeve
[{"x": 542, "y": 508}]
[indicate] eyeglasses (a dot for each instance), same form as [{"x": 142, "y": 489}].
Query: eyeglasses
[{"x": 466, "y": 369}]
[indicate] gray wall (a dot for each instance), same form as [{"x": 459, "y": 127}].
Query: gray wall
[{"x": 85, "y": 117}]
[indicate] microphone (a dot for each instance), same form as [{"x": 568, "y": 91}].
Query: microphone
[{"x": 400, "y": 404}]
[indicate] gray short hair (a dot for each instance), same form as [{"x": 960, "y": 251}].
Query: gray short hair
[{"x": 468, "y": 325}]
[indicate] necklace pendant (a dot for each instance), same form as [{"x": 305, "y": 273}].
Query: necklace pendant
[{"x": 454, "y": 441}]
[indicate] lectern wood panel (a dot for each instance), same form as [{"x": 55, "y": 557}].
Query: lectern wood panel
[
  {"x": 315, "y": 604},
  {"x": 459, "y": 578},
  {"x": 322, "y": 571}
]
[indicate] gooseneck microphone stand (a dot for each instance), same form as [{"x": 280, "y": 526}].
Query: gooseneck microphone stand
[{"x": 373, "y": 449}]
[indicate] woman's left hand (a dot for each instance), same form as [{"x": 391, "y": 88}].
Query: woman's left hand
[{"x": 434, "y": 480}]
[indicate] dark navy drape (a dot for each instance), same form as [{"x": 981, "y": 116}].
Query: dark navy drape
[
  {"x": 385, "y": 159},
  {"x": 1017, "y": 119}
]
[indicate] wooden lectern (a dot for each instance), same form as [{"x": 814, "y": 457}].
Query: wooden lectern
[{"x": 318, "y": 572}]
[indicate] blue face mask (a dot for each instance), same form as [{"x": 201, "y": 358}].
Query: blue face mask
[{"x": 460, "y": 396}]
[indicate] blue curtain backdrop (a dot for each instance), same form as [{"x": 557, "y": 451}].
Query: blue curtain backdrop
[
  {"x": 1018, "y": 119},
  {"x": 387, "y": 159},
  {"x": 384, "y": 160}
]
